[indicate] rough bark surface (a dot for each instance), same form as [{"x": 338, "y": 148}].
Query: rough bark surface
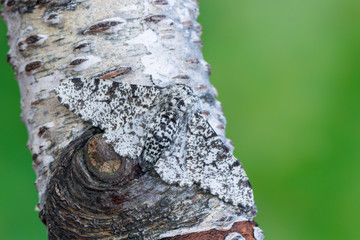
[{"x": 88, "y": 189}]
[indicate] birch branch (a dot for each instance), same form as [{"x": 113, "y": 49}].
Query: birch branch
[{"x": 128, "y": 139}]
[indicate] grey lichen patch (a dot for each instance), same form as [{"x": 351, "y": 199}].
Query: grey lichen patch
[{"x": 161, "y": 126}]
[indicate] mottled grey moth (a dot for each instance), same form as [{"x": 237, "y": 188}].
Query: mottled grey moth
[{"x": 163, "y": 128}]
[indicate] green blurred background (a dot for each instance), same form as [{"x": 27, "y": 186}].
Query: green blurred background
[{"x": 288, "y": 76}]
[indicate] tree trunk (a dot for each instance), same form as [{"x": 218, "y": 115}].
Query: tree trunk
[{"x": 126, "y": 134}]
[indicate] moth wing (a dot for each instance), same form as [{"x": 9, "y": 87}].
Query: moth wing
[
  {"x": 212, "y": 165},
  {"x": 199, "y": 156},
  {"x": 171, "y": 164},
  {"x": 121, "y": 110}
]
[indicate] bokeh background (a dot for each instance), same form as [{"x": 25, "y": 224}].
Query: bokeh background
[{"x": 288, "y": 76}]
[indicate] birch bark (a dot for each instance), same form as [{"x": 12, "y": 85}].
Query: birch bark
[{"x": 86, "y": 190}]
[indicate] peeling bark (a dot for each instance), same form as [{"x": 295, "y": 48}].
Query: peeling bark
[{"x": 91, "y": 187}]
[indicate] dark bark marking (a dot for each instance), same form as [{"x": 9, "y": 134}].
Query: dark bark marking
[
  {"x": 199, "y": 43},
  {"x": 155, "y": 18},
  {"x": 208, "y": 69},
  {"x": 221, "y": 127},
  {"x": 182, "y": 76},
  {"x": 114, "y": 72},
  {"x": 23, "y": 7},
  {"x": 64, "y": 5},
  {"x": 203, "y": 87},
  {"x": 81, "y": 46},
  {"x": 52, "y": 16},
  {"x": 209, "y": 98},
  {"x": 35, "y": 158},
  {"x": 78, "y": 61},
  {"x": 160, "y": 2},
  {"x": 28, "y": 6},
  {"x": 42, "y": 131},
  {"x": 168, "y": 37},
  {"x": 101, "y": 27},
  {"x": 8, "y": 59},
  {"x": 205, "y": 113},
  {"x": 10, "y": 3},
  {"x": 187, "y": 23},
  {"x": 32, "y": 66},
  {"x": 198, "y": 29},
  {"x": 34, "y": 103},
  {"x": 32, "y": 39},
  {"x": 193, "y": 60}
]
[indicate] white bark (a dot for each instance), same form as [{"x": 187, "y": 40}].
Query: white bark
[{"x": 151, "y": 42}]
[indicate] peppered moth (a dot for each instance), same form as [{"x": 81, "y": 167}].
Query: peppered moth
[{"x": 163, "y": 128}]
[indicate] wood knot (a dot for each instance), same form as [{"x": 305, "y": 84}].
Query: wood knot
[
  {"x": 105, "y": 165},
  {"x": 102, "y": 157}
]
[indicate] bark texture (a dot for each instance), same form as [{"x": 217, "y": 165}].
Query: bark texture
[{"x": 87, "y": 190}]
